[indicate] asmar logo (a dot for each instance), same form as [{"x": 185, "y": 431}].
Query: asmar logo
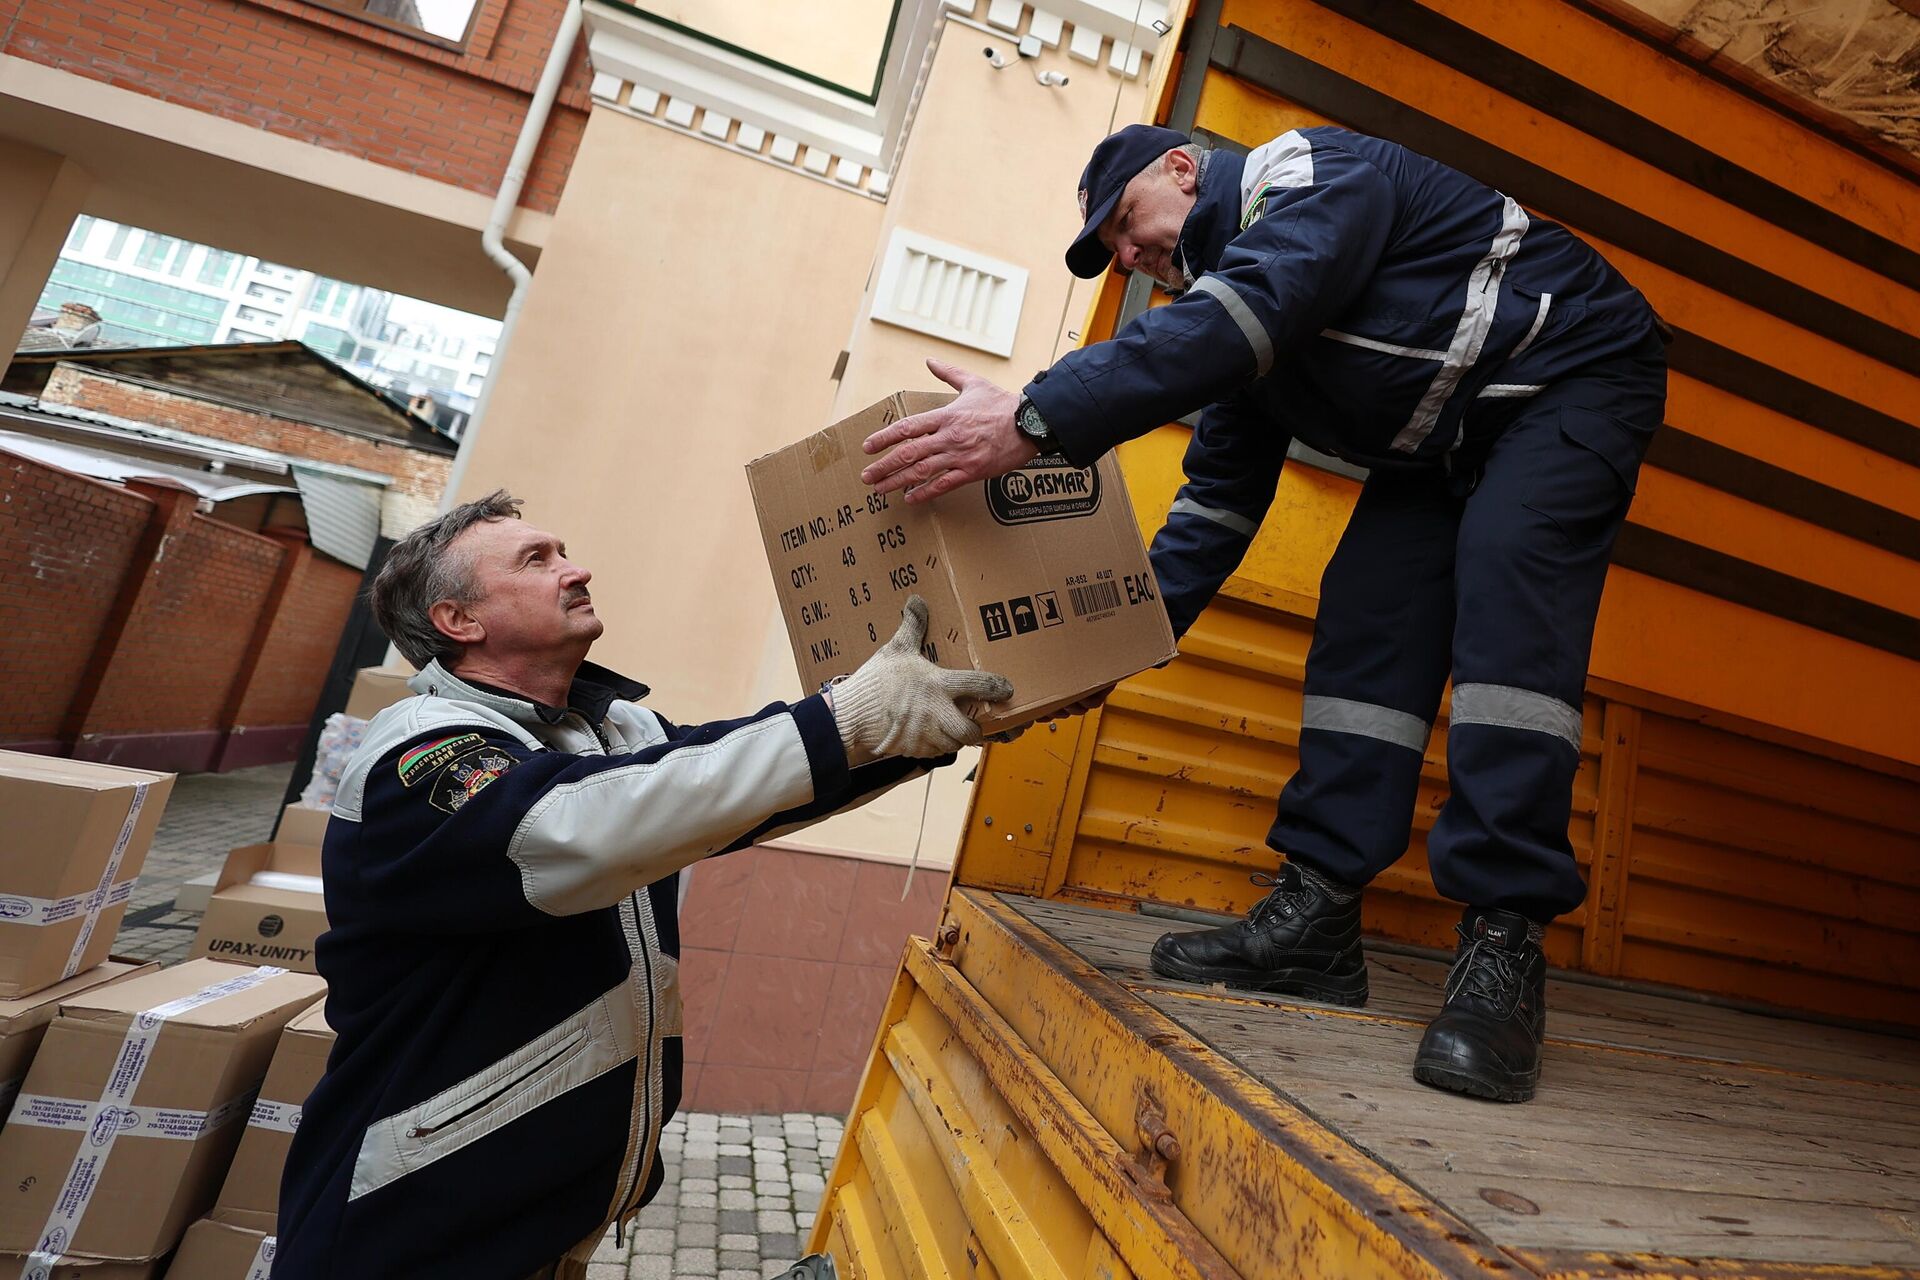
[
  {"x": 15, "y": 908},
  {"x": 1047, "y": 488}
]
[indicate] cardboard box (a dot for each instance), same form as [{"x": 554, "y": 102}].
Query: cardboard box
[
  {"x": 1040, "y": 575},
  {"x": 134, "y": 1105},
  {"x": 74, "y": 840},
  {"x": 251, "y": 924},
  {"x": 23, "y": 1022},
  {"x": 377, "y": 688},
  {"x": 302, "y": 825},
  {"x": 82, "y": 1269},
  {"x": 251, "y": 1194},
  {"x": 217, "y": 1249}
]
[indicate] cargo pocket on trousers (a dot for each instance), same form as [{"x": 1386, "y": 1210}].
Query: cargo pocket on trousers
[{"x": 1586, "y": 486}]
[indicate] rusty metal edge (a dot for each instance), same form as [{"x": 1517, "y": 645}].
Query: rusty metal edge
[
  {"x": 1374, "y": 1197},
  {"x": 1067, "y": 1133}
]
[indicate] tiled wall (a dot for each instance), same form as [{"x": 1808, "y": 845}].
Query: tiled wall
[{"x": 785, "y": 963}]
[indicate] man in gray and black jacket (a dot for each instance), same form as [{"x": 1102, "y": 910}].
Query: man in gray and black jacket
[{"x": 500, "y": 875}]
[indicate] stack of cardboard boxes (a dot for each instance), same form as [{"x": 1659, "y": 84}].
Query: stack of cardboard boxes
[
  {"x": 145, "y": 1109},
  {"x": 131, "y": 1112},
  {"x": 74, "y": 840}
]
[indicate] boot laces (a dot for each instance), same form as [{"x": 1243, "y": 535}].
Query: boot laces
[
  {"x": 1487, "y": 970},
  {"x": 1286, "y": 895}
]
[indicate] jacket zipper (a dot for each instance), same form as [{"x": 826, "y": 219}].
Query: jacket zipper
[
  {"x": 643, "y": 1066},
  {"x": 639, "y": 1132}
]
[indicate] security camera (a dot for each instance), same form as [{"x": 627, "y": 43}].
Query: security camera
[
  {"x": 1051, "y": 79},
  {"x": 997, "y": 58}
]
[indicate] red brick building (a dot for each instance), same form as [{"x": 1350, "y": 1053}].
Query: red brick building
[
  {"x": 319, "y": 132},
  {"x": 152, "y": 624}
]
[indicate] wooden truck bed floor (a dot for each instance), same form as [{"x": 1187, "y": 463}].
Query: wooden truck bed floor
[{"x": 1663, "y": 1126}]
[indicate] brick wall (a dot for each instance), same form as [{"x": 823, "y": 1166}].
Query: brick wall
[
  {"x": 322, "y": 77},
  {"x": 415, "y": 472},
  {"x": 299, "y": 647},
  {"x": 186, "y": 637},
  {"x": 66, "y": 543}
]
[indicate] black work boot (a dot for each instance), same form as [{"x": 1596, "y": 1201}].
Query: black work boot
[
  {"x": 1486, "y": 1041},
  {"x": 1299, "y": 940}
]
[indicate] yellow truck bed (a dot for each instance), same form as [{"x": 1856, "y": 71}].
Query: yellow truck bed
[
  {"x": 1013, "y": 1121},
  {"x": 1747, "y": 808}
]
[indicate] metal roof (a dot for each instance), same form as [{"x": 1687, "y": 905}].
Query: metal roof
[
  {"x": 105, "y": 425},
  {"x": 101, "y": 464}
]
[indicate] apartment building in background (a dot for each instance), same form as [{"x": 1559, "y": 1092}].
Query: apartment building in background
[{"x": 151, "y": 289}]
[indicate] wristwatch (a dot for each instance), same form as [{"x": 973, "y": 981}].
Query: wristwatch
[{"x": 1031, "y": 425}]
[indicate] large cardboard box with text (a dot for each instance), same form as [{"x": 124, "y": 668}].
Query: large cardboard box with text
[
  {"x": 134, "y": 1104},
  {"x": 23, "y": 1021},
  {"x": 74, "y": 840},
  {"x": 1039, "y": 575},
  {"x": 274, "y": 923}
]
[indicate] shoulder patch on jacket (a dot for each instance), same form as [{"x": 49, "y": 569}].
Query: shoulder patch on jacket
[
  {"x": 428, "y": 756},
  {"x": 467, "y": 775}
]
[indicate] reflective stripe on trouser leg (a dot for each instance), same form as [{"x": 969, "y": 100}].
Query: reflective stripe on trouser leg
[
  {"x": 1382, "y": 642},
  {"x": 1511, "y": 708},
  {"x": 1343, "y": 715}
]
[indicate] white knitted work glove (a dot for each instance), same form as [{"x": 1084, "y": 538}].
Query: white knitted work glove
[{"x": 899, "y": 704}]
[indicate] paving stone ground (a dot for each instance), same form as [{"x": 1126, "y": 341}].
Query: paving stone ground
[
  {"x": 740, "y": 1191},
  {"x": 738, "y": 1203}
]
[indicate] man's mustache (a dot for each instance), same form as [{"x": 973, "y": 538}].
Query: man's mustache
[{"x": 575, "y": 597}]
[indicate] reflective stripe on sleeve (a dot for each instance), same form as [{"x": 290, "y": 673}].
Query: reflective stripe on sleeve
[
  {"x": 1226, "y": 519},
  {"x": 1242, "y": 315},
  {"x": 1476, "y": 322}
]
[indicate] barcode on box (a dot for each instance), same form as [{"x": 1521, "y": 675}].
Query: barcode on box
[{"x": 1094, "y": 598}]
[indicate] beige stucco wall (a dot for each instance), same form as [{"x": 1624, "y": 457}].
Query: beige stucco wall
[
  {"x": 686, "y": 314},
  {"x": 42, "y": 192},
  {"x": 685, "y": 317},
  {"x": 990, "y": 166},
  {"x": 839, "y": 41}
]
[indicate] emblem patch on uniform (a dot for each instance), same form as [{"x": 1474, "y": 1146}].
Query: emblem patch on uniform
[
  {"x": 466, "y": 776},
  {"x": 428, "y": 756}
]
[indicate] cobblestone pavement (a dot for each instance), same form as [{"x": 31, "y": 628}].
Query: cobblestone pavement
[
  {"x": 207, "y": 814},
  {"x": 739, "y": 1199},
  {"x": 740, "y": 1191}
]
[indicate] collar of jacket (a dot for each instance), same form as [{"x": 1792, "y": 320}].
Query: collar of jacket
[
  {"x": 1215, "y": 219},
  {"x": 595, "y": 689}
]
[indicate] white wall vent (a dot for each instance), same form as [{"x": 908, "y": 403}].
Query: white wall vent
[{"x": 949, "y": 292}]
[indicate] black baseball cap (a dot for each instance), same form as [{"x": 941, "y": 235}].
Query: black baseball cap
[{"x": 1117, "y": 161}]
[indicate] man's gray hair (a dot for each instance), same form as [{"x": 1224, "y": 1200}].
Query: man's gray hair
[{"x": 420, "y": 572}]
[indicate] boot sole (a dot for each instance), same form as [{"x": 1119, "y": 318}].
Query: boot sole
[
  {"x": 1444, "y": 1075},
  {"x": 1342, "y": 989}
]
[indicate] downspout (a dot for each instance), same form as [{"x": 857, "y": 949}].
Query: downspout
[{"x": 493, "y": 238}]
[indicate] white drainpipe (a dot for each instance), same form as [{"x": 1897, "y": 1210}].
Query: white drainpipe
[{"x": 493, "y": 239}]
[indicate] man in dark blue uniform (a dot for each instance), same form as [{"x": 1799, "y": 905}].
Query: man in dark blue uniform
[{"x": 1500, "y": 381}]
